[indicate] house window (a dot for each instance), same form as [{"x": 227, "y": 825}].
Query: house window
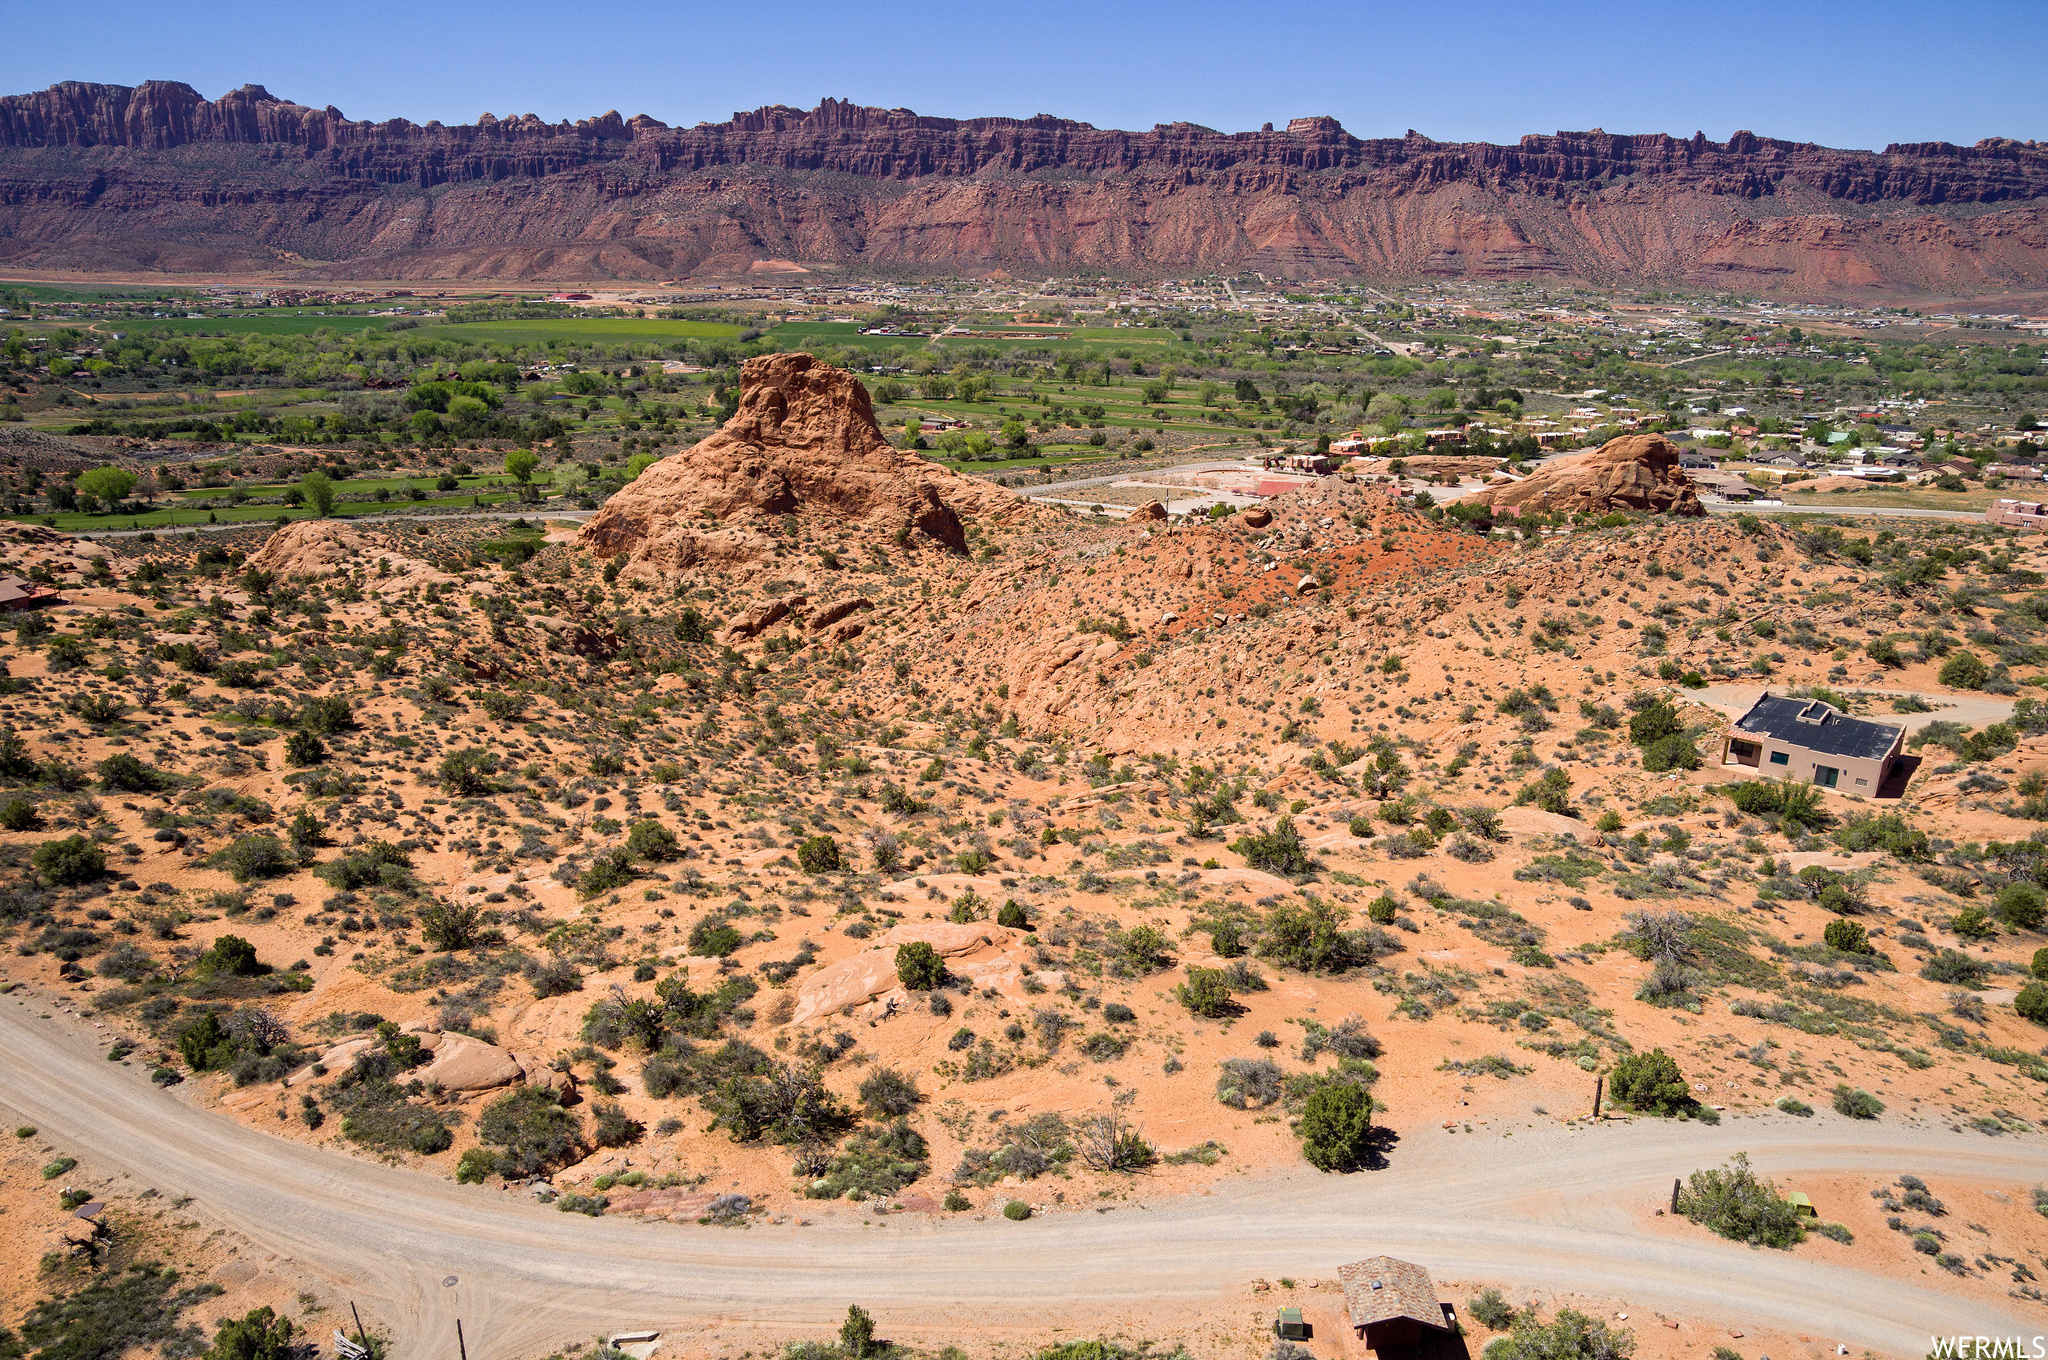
[
  {"x": 1781, "y": 757},
  {"x": 1826, "y": 775}
]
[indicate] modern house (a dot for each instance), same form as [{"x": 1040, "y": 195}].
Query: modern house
[
  {"x": 1807, "y": 739},
  {"x": 1393, "y": 1305}
]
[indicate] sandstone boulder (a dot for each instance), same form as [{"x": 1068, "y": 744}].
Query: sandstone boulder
[
  {"x": 1635, "y": 472},
  {"x": 1258, "y": 517},
  {"x": 1150, "y": 510},
  {"x": 804, "y": 439},
  {"x": 323, "y": 548},
  {"x": 992, "y": 956}
]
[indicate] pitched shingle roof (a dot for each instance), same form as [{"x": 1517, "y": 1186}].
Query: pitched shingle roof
[
  {"x": 1380, "y": 1289},
  {"x": 1818, "y": 727}
]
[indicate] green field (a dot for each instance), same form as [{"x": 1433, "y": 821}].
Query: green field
[
  {"x": 610, "y": 329},
  {"x": 185, "y": 516},
  {"x": 800, "y": 334},
  {"x": 606, "y": 330}
]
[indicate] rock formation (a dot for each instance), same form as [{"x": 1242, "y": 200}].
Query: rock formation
[
  {"x": 323, "y": 548},
  {"x": 803, "y": 440},
  {"x": 1634, "y": 472},
  {"x": 100, "y": 176}
]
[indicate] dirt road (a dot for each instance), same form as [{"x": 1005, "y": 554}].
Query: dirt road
[{"x": 1538, "y": 1207}]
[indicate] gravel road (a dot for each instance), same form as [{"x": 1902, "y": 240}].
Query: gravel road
[{"x": 1554, "y": 1208}]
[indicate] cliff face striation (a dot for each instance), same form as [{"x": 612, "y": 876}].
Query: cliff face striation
[{"x": 154, "y": 176}]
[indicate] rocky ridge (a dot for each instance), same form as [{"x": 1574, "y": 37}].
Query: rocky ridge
[{"x": 99, "y": 176}]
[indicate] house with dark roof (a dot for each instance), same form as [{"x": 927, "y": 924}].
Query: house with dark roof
[
  {"x": 1392, "y": 1306},
  {"x": 18, "y": 594},
  {"x": 1789, "y": 738}
]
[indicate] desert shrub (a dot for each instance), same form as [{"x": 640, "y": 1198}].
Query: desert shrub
[
  {"x": 1309, "y": 936},
  {"x": 1249, "y": 1083},
  {"x": 1336, "y": 1127},
  {"x": 258, "y": 1334},
  {"x": 1016, "y": 1211},
  {"x": 2032, "y": 1003},
  {"x": 531, "y": 1130},
  {"x": 650, "y": 840},
  {"x": 556, "y": 976},
  {"x": 467, "y": 773},
  {"x": 608, "y": 871},
  {"x": 1846, "y": 936},
  {"x": 474, "y": 1165},
  {"x": 1954, "y": 967},
  {"x": 713, "y": 937},
  {"x": 1856, "y": 1102},
  {"x": 2020, "y": 905},
  {"x": 611, "y": 1126},
  {"x": 375, "y": 864},
  {"x": 874, "y": 1162},
  {"x": 787, "y": 1104},
  {"x": 818, "y": 855},
  {"x": 304, "y": 748},
  {"x": 453, "y": 925},
  {"x": 1674, "y": 752},
  {"x": 919, "y": 967},
  {"x": 125, "y": 962},
  {"x": 1571, "y": 1335},
  {"x": 1490, "y": 1310},
  {"x": 1280, "y": 850},
  {"x": 1205, "y": 993},
  {"x": 232, "y": 955},
  {"x": 1649, "y": 1083},
  {"x": 328, "y": 715},
  {"x": 888, "y": 1094},
  {"x": 73, "y": 860},
  {"x": 126, "y": 774},
  {"x": 1964, "y": 670},
  {"x": 1013, "y": 917},
  {"x": 258, "y": 855},
  {"x": 1735, "y": 1203}
]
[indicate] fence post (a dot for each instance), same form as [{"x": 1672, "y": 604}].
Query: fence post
[{"x": 1599, "y": 1084}]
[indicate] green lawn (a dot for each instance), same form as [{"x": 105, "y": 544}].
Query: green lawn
[
  {"x": 603, "y": 328},
  {"x": 362, "y": 486},
  {"x": 801, "y": 334},
  {"x": 185, "y": 516},
  {"x": 266, "y": 322}
]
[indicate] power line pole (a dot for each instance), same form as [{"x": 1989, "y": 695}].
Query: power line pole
[{"x": 460, "y": 1344}]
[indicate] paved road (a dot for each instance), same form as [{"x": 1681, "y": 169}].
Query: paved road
[
  {"x": 1051, "y": 489},
  {"x": 1881, "y": 511},
  {"x": 1553, "y": 1209}
]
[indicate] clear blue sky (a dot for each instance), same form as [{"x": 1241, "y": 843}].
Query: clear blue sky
[{"x": 1849, "y": 75}]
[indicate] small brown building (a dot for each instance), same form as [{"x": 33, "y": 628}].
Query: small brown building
[{"x": 1393, "y": 1304}]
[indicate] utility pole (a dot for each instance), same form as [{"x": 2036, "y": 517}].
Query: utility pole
[
  {"x": 1599, "y": 1084},
  {"x": 361, "y": 1339},
  {"x": 460, "y": 1344},
  {"x": 1674, "y": 1196}
]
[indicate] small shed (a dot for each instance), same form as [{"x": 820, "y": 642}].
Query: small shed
[
  {"x": 1290, "y": 1326},
  {"x": 1802, "y": 1205},
  {"x": 1392, "y": 1303}
]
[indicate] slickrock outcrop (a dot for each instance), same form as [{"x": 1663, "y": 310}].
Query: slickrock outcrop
[
  {"x": 1634, "y": 472},
  {"x": 803, "y": 440},
  {"x": 322, "y": 548}
]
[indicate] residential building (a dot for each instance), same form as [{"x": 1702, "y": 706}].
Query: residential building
[{"x": 1808, "y": 739}]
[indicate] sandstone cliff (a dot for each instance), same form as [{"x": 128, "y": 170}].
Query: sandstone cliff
[
  {"x": 103, "y": 176},
  {"x": 803, "y": 440},
  {"x": 1634, "y": 472}
]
